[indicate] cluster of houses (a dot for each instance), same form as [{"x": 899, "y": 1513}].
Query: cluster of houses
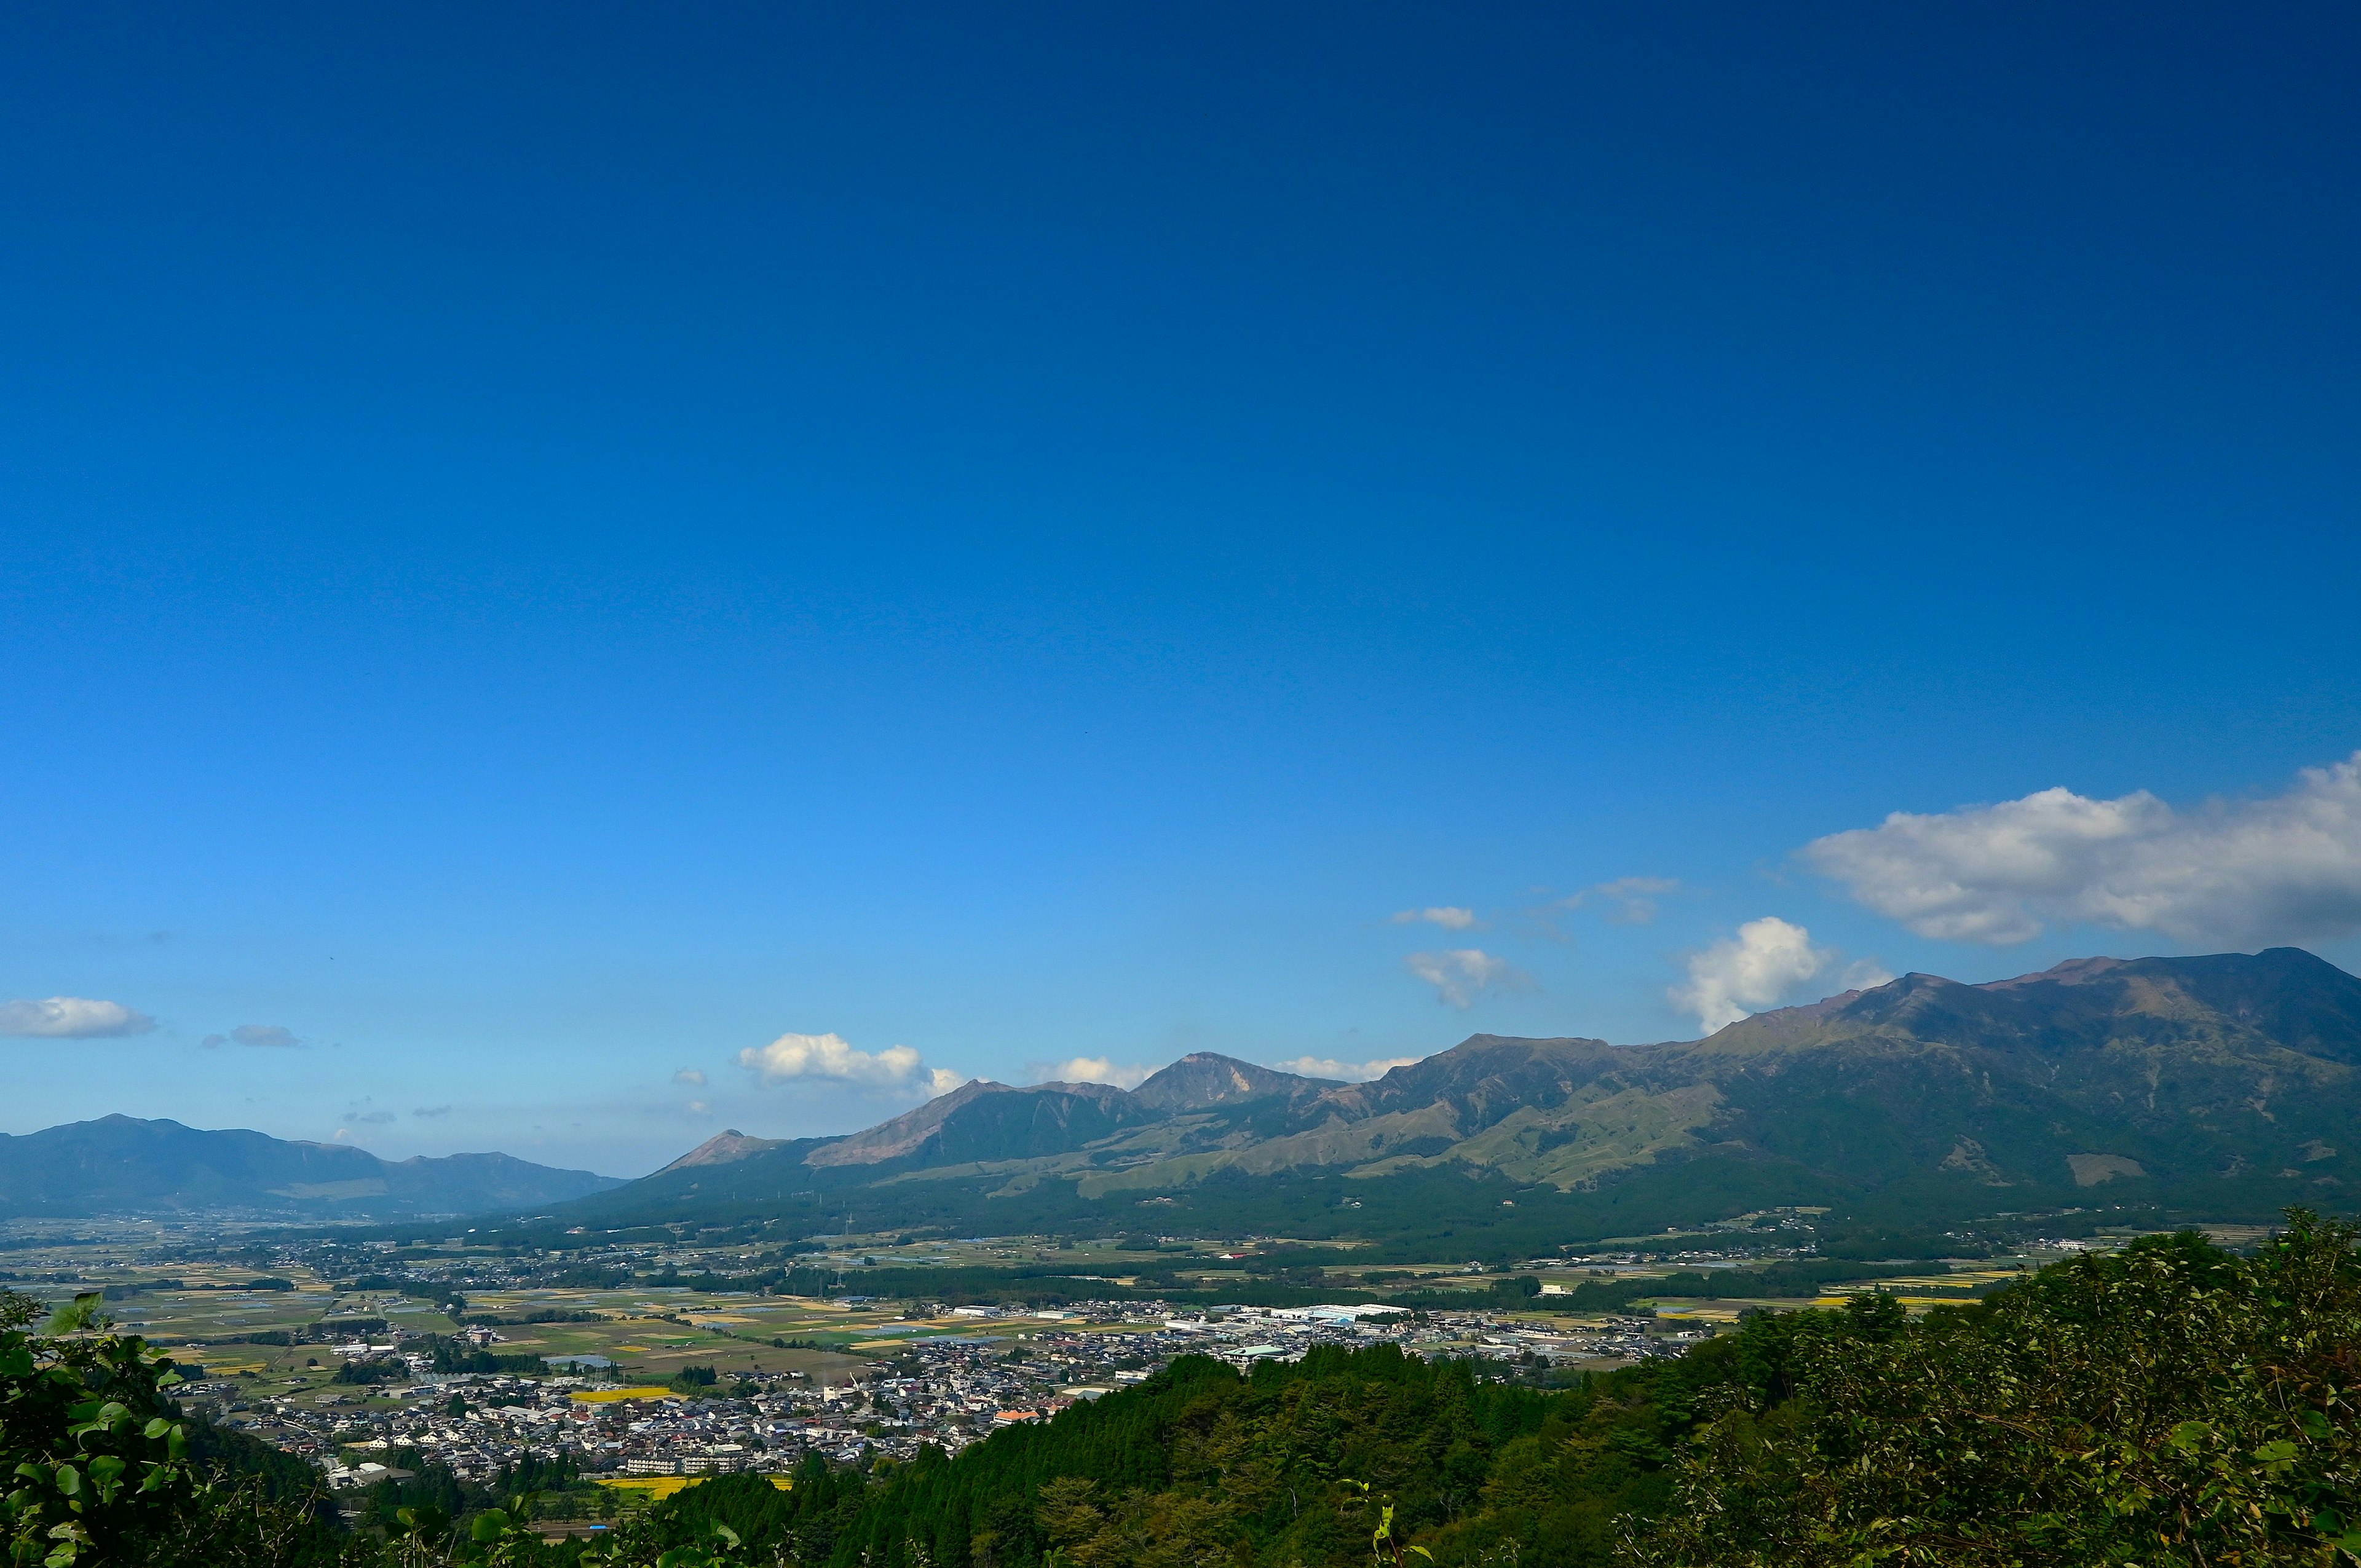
[{"x": 946, "y": 1390}]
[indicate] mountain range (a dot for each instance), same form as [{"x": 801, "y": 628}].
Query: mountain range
[
  {"x": 2218, "y": 1087},
  {"x": 121, "y": 1165},
  {"x": 2229, "y": 1083}
]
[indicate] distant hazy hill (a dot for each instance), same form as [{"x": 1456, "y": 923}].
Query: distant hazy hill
[
  {"x": 120, "y": 1164},
  {"x": 2225, "y": 1083}
]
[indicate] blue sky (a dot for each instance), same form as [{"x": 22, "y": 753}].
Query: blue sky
[{"x": 551, "y": 549}]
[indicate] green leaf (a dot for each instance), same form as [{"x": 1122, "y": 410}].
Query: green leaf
[
  {"x": 69, "y": 1480},
  {"x": 157, "y": 1428},
  {"x": 83, "y": 1314},
  {"x": 491, "y": 1524}
]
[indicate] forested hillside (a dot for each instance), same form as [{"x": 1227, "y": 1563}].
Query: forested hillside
[{"x": 2168, "y": 1405}]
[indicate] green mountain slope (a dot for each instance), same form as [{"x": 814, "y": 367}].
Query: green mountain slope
[{"x": 2227, "y": 1081}]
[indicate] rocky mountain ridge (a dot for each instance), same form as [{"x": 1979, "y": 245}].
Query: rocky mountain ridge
[{"x": 2132, "y": 1076}]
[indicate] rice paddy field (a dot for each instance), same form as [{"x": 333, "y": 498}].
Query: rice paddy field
[
  {"x": 171, "y": 1287},
  {"x": 648, "y": 1332}
]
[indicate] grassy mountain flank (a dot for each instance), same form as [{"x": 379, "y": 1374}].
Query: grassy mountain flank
[{"x": 2227, "y": 1083}]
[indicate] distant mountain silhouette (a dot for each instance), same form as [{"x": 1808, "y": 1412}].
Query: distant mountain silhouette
[
  {"x": 121, "y": 1165},
  {"x": 2229, "y": 1080}
]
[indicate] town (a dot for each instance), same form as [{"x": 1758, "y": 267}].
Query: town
[
  {"x": 604, "y": 1372},
  {"x": 947, "y": 1390}
]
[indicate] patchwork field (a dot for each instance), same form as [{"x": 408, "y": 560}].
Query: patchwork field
[{"x": 649, "y": 1333}]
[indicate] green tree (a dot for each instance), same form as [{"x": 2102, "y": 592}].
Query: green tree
[
  {"x": 103, "y": 1467},
  {"x": 2169, "y": 1404}
]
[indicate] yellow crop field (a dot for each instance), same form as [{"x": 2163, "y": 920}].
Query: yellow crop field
[
  {"x": 609, "y": 1396},
  {"x": 659, "y": 1487},
  {"x": 656, "y": 1488}
]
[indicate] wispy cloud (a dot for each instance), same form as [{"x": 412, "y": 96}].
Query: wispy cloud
[
  {"x": 371, "y": 1118},
  {"x": 896, "y": 1068},
  {"x": 1350, "y": 1071},
  {"x": 688, "y": 1075},
  {"x": 1626, "y": 901},
  {"x": 428, "y": 1113},
  {"x": 273, "y": 1037},
  {"x": 1448, "y": 916},
  {"x": 1090, "y": 1070},
  {"x": 1632, "y": 900},
  {"x": 1462, "y": 974},
  {"x": 72, "y": 1018},
  {"x": 2279, "y": 869},
  {"x": 1760, "y": 967}
]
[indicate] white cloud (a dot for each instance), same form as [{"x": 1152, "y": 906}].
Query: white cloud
[
  {"x": 1757, "y": 968},
  {"x": 1350, "y": 1071},
  {"x": 700, "y": 1108},
  {"x": 1090, "y": 1070},
  {"x": 688, "y": 1075},
  {"x": 1863, "y": 974},
  {"x": 896, "y": 1068},
  {"x": 1462, "y": 974},
  {"x": 2230, "y": 873},
  {"x": 1447, "y": 917},
  {"x": 72, "y": 1018}
]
